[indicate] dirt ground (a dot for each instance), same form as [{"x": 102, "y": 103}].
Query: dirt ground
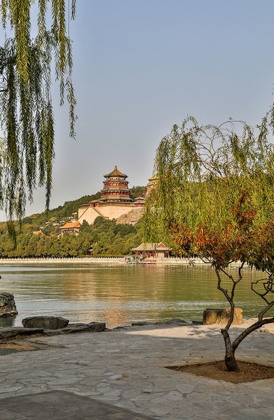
[{"x": 249, "y": 372}]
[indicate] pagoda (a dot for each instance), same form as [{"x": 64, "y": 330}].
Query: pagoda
[
  {"x": 115, "y": 201},
  {"x": 115, "y": 190}
]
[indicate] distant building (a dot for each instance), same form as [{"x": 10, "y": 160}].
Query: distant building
[
  {"x": 139, "y": 202},
  {"x": 115, "y": 200},
  {"x": 152, "y": 182},
  {"x": 71, "y": 227},
  {"x": 115, "y": 189},
  {"x": 155, "y": 250}
]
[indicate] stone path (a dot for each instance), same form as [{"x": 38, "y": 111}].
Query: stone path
[
  {"x": 127, "y": 369},
  {"x": 60, "y": 405}
]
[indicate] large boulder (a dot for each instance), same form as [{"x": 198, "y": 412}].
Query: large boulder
[
  {"x": 7, "y": 304},
  {"x": 221, "y": 316},
  {"x": 46, "y": 322}
]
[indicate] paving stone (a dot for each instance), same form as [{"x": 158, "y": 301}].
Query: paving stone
[
  {"x": 127, "y": 369},
  {"x": 9, "y": 415},
  {"x": 246, "y": 414},
  {"x": 71, "y": 407},
  {"x": 23, "y": 407}
]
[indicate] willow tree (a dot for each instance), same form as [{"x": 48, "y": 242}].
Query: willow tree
[
  {"x": 215, "y": 199},
  {"x": 26, "y": 111}
]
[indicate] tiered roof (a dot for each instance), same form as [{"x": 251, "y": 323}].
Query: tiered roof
[
  {"x": 115, "y": 172},
  {"x": 115, "y": 189}
]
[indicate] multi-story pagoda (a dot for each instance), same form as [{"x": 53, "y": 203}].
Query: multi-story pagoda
[
  {"x": 115, "y": 200},
  {"x": 115, "y": 189}
]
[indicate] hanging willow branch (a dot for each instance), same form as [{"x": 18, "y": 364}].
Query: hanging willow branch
[{"x": 26, "y": 112}]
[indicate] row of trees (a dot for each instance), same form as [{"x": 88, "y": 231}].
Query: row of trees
[
  {"x": 105, "y": 237},
  {"x": 215, "y": 199}
]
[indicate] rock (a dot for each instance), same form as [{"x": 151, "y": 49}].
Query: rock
[
  {"x": 51, "y": 333},
  {"x": 14, "y": 331},
  {"x": 79, "y": 327},
  {"x": 197, "y": 322},
  {"x": 6, "y": 333},
  {"x": 179, "y": 321},
  {"x": 140, "y": 323},
  {"x": 45, "y": 322},
  {"x": 174, "y": 321},
  {"x": 7, "y": 304},
  {"x": 130, "y": 218},
  {"x": 221, "y": 316}
]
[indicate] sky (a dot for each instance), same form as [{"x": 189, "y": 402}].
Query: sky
[{"x": 141, "y": 66}]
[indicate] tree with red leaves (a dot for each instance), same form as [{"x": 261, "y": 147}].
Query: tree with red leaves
[{"x": 215, "y": 199}]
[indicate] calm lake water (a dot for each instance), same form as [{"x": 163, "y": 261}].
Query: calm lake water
[{"x": 118, "y": 295}]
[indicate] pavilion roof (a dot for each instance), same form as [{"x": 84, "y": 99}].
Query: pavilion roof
[
  {"x": 71, "y": 225},
  {"x": 115, "y": 172},
  {"x": 152, "y": 247}
]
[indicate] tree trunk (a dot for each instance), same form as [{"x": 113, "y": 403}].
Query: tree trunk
[{"x": 230, "y": 361}]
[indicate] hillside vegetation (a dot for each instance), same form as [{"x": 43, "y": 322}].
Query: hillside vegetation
[{"x": 104, "y": 237}]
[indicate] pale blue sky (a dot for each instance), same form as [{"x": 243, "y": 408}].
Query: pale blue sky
[{"x": 142, "y": 65}]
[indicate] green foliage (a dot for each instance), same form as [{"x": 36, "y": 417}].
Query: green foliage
[
  {"x": 215, "y": 198},
  {"x": 212, "y": 180},
  {"x": 137, "y": 191},
  {"x": 109, "y": 238},
  {"x": 105, "y": 237},
  {"x": 57, "y": 215},
  {"x": 26, "y": 112}
]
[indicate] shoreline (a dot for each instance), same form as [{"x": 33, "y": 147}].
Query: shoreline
[{"x": 109, "y": 261}]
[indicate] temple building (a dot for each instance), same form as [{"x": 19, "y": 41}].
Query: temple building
[
  {"x": 115, "y": 189},
  {"x": 115, "y": 200},
  {"x": 154, "y": 250},
  {"x": 152, "y": 183},
  {"x": 71, "y": 227}
]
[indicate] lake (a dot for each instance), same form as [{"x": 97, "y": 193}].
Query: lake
[{"x": 119, "y": 294}]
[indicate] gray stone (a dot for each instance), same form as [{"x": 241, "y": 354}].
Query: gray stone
[
  {"x": 174, "y": 321},
  {"x": 140, "y": 323},
  {"x": 18, "y": 331},
  {"x": 221, "y": 316},
  {"x": 45, "y": 322},
  {"x": 59, "y": 405},
  {"x": 51, "y": 333},
  {"x": 79, "y": 327},
  {"x": 179, "y": 321},
  {"x": 7, "y": 305}
]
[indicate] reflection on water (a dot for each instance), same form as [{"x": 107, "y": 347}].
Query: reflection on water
[{"x": 119, "y": 294}]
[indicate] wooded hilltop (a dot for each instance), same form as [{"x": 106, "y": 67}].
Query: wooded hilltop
[{"x": 104, "y": 237}]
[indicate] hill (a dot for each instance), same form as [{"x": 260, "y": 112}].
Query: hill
[
  {"x": 105, "y": 237},
  {"x": 49, "y": 220}
]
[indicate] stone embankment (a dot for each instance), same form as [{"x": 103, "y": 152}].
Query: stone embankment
[
  {"x": 48, "y": 326},
  {"x": 106, "y": 260}
]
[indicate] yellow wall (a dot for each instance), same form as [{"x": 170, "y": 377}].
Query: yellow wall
[{"x": 109, "y": 212}]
